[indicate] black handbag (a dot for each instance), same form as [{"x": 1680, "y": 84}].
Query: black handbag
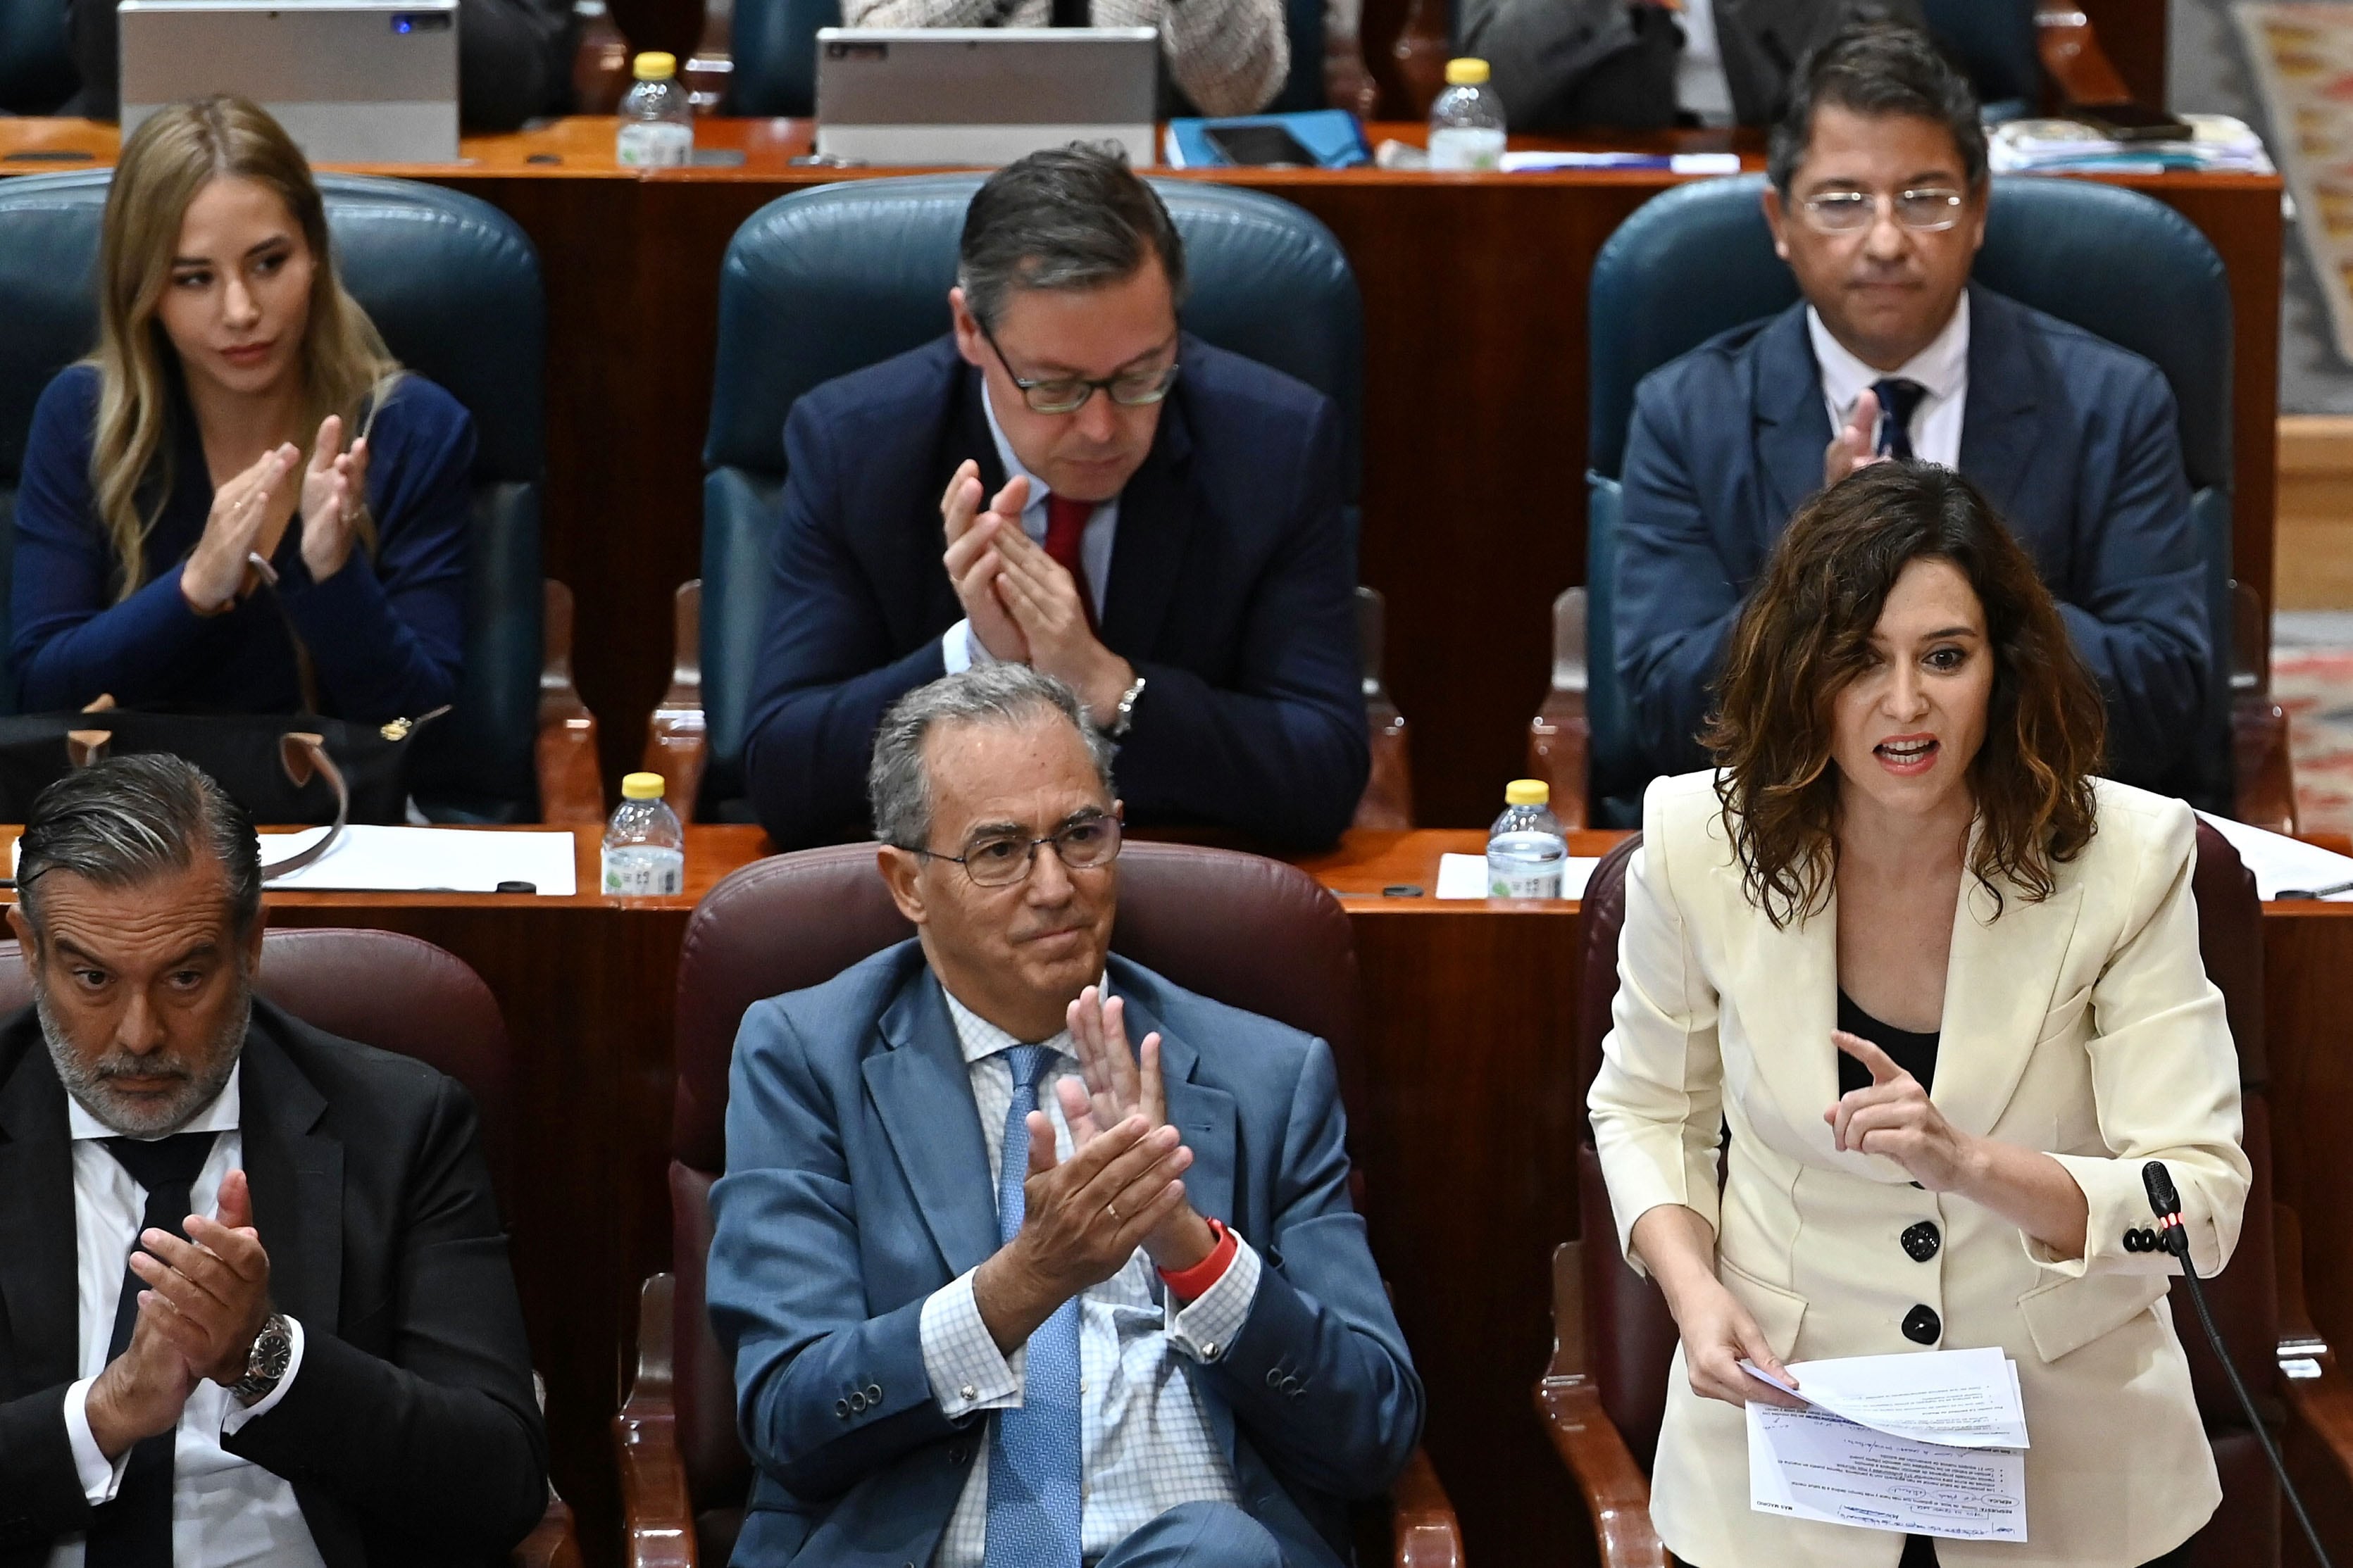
[{"x": 282, "y": 768}]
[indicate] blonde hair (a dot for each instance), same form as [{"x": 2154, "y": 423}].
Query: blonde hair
[{"x": 172, "y": 157}]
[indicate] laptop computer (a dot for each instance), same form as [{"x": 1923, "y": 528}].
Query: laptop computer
[
  {"x": 354, "y": 81},
  {"x": 983, "y": 95}
]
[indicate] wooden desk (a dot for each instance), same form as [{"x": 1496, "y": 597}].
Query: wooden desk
[{"x": 1474, "y": 290}]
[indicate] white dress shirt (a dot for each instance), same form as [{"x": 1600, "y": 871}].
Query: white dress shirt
[
  {"x": 1701, "y": 87},
  {"x": 1146, "y": 1443},
  {"x": 1942, "y": 369},
  {"x": 225, "y": 1511},
  {"x": 959, "y": 649}
]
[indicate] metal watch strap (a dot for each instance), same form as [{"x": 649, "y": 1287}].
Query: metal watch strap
[
  {"x": 272, "y": 1348},
  {"x": 1122, "y": 717}
]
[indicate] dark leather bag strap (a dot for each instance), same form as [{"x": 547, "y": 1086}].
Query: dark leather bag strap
[
  {"x": 303, "y": 754},
  {"x": 299, "y": 752}
]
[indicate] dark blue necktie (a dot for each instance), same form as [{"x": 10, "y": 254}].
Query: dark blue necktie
[
  {"x": 1034, "y": 1506},
  {"x": 134, "y": 1530},
  {"x": 1898, "y": 400}
]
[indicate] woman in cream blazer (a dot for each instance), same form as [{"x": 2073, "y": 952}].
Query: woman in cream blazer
[{"x": 1904, "y": 837}]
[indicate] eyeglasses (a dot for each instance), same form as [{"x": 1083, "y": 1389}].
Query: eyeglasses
[
  {"x": 1926, "y": 211},
  {"x": 1069, "y": 394},
  {"x": 1001, "y": 860}
]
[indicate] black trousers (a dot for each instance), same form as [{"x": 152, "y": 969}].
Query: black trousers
[{"x": 1920, "y": 1552}]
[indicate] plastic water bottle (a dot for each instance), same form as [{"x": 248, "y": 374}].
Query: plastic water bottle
[
  {"x": 657, "y": 122},
  {"x": 1466, "y": 122},
  {"x": 1527, "y": 850},
  {"x": 645, "y": 848}
]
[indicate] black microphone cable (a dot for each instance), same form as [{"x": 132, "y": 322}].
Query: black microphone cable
[{"x": 2171, "y": 1237}]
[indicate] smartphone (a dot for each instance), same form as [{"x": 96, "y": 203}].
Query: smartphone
[
  {"x": 2129, "y": 122},
  {"x": 1259, "y": 146}
]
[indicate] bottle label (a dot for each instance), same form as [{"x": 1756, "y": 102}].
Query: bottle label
[
  {"x": 655, "y": 144},
  {"x": 1460, "y": 147},
  {"x": 641, "y": 870},
  {"x": 1520, "y": 880}
]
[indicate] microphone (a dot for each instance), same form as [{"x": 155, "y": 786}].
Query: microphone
[{"x": 2165, "y": 1203}]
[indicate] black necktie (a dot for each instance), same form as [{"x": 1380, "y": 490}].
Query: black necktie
[
  {"x": 134, "y": 1530},
  {"x": 1898, "y": 400}
]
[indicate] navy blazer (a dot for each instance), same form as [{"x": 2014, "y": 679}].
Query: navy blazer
[
  {"x": 1231, "y": 591},
  {"x": 386, "y": 634},
  {"x": 857, "y": 1185},
  {"x": 2073, "y": 440}
]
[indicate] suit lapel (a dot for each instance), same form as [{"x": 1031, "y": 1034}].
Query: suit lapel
[
  {"x": 1155, "y": 519},
  {"x": 295, "y": 1165},
  {"x": 1789, "y": 1007},
  {"x": 1999, "y": 424},
  {"x": 1998, "y": 986},
  {"x": 37, "y": 1246},
  {"x": 1202, "y": 1114},
  {"x": 921, "y": 1091},
  {"x": 1793, "y": 426}
]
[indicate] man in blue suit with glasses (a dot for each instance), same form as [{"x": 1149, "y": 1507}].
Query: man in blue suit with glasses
[
  {"x": 1877, "y": 201},
  {"x": 1070, "y": 480},
  {"x": 1000, "y": 1291}
]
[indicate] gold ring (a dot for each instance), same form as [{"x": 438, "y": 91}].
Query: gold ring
[{"x": 1112, "y": 1210}]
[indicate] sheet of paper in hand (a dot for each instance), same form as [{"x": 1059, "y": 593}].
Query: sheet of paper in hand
[{"x": 1930, "y": 1444}]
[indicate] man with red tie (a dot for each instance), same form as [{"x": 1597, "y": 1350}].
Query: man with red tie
[{"x": 1070, "y": 480}]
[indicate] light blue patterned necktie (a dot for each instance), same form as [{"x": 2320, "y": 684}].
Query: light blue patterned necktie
[{"x": 1034, "y": 1456}]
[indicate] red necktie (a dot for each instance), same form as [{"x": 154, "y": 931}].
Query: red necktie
[{"x": 1066, "y": 529}]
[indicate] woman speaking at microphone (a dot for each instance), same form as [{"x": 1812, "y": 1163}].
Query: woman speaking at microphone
[
  {"x": 1942, "y": 986},
  {"x": 240, "y": 502}
]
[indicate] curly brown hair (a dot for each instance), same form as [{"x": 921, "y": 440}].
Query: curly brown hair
[{"x": 1806, "y": 632}]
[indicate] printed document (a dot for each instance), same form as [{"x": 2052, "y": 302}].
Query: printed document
[{"x": 1930, "y": 1444}]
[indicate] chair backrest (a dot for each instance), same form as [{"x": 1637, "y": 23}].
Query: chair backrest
[
  {"x": 1255, "y": 933},
  {"x": 1994, "y": 42},
  {"x": 37, "y": 72},
  {"x": 826, "y": 281},
  {"x": 774, "y": 45},
  {"x": 1698, "y": 260},
  {"x": 1630, "y": 1337},
  {"x": 454, "y": 286},
  {"x": 396, "y": 993}
]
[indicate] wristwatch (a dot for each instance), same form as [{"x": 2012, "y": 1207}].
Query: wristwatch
[
  {"x": 1122, "y": 717},
  {"x": 272, "y": 1348}
]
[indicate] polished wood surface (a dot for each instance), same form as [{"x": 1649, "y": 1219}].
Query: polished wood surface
[{"x": 1474, "y": 290}]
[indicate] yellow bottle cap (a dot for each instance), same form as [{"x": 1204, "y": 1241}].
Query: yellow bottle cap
[
  {"x": 1519, "y": 791},
  {"x": 641, "y": 786},
  {"x": 1464, "y": 72},
  {"x": 656, "y": 66}
]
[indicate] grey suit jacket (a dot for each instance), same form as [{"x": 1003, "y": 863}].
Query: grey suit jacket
[
  {"x": 857, "y": 1185},
  {"x": 1565, "y": 63}
]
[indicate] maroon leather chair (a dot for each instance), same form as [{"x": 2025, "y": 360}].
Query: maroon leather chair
[
  {"x": 1605, "y": 1393},
  {"x": 1255, "y": 933},
  {"x": 403, "y": 995}
]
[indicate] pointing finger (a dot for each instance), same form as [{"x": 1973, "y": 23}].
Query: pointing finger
[{"x": 1883, "y": 1066}]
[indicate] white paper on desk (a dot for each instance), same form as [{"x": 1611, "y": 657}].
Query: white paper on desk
[
  {"x": 1963, "y": 1398},
  {"x": 1810, "y": 1464},
  {"x": 2280, "y": 862},
  {"x": 379, "y": 859},
  {"x": 1465, "y": 875}
]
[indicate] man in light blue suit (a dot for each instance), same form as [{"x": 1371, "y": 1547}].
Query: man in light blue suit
[
  {"x": 1001, "y": 1290},
  {"x": 1877, "y": 201}
]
